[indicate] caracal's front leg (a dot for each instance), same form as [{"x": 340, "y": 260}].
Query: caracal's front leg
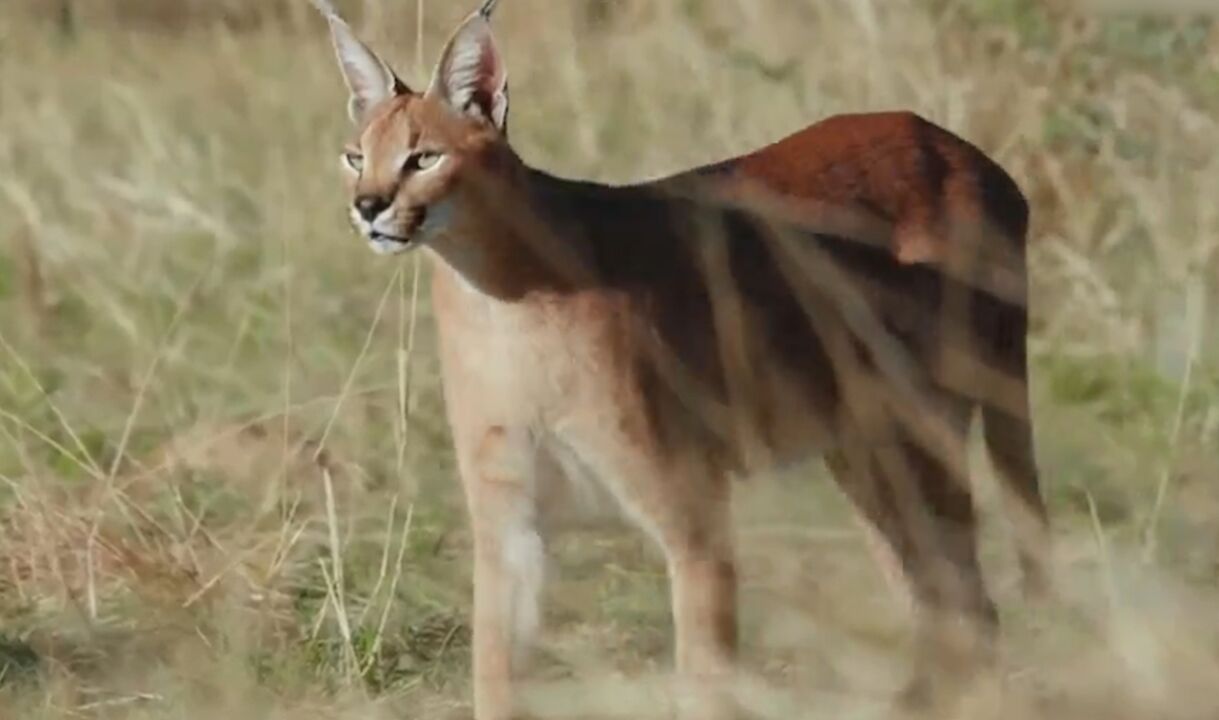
[
  {"x": 684, "y": 503},
  {"x": 702, "y": 576},
  {"x": 497, "y": 466}
]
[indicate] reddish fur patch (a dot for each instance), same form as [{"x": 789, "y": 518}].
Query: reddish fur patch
[{"x": 896, "y": 168}]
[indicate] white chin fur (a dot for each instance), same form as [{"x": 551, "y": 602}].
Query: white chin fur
[{"x": 383, "y": 246}]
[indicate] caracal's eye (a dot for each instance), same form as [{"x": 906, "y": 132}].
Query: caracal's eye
[
  {"x": 422, "y": 160},
  {"x": 354, "y": 161}
]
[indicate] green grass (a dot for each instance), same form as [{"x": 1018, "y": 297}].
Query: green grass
[{"x": 186, "y": 320}]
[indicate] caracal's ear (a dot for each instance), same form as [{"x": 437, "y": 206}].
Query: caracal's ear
[
  {"x": 368, "y": 78},
  {"x": 471, "y": 77}
]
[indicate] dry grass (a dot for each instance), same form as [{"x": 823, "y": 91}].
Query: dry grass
[{"x": 211, "y": 503}]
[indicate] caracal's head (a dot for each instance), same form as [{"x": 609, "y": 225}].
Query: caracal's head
[{"x": 414, "y": 154}]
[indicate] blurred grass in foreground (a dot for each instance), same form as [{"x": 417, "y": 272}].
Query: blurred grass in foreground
[{"x": 194, "y": 348}]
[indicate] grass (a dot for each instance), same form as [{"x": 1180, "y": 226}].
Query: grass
[{"x": 226, "y": 480}]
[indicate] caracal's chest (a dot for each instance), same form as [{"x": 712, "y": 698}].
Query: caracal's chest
[
  {"x": 554, "y": 373},
  {"x": 532, "y": 362}
]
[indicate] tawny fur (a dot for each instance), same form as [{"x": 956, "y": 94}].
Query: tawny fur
[{"x": 854, "y": 291}]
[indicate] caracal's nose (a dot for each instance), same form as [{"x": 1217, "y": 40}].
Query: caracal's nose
[{"x": 370, "y": 206}]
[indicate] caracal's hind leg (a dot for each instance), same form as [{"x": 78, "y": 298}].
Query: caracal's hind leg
[
  {"x": 912, "y": 489},
  {"x": 1007, "y": 424},
  {"x": 880, "y": 547}
]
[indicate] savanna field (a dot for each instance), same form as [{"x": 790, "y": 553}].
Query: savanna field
[{"x": 226, "y": 484}]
